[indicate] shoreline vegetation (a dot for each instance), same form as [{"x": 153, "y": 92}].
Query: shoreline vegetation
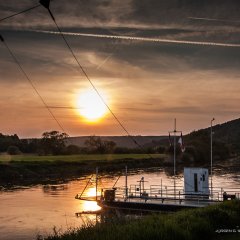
[
  {"x": 220, "y": 222},
  {"x": 33, "y": 169},
  {"x": 29, "y": 169}
]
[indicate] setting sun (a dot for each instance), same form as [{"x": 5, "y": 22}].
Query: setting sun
[{"x": 90, "y": 106}]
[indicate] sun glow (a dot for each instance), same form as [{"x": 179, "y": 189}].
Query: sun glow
[{"x": 90, "y": 105}]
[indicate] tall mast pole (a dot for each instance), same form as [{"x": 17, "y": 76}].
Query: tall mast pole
[{"x": 174, "y": 132}]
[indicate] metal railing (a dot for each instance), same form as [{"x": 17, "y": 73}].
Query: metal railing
[
  {"x": 166, "y": 193},
  {"x": 174, "y": 194}
]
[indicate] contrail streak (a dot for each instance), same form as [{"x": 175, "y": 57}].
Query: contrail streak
[
  {"x": 144, "y": 39},
  {"x": 104, "y": 61},
  {"x": 214, "y": 19}
]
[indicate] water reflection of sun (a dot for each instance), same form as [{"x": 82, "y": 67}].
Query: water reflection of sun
[{"x": 91, "y": 205}]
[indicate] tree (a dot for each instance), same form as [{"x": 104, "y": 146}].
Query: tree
[
  {"x": 95, "y": 144},
  {"x": 53, "y": 142},
  {"x": 8, "y": 140},
  {"x": 109, "y": 146}
]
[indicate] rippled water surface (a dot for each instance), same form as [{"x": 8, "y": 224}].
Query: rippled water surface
[{"x": 27, "y": 212}]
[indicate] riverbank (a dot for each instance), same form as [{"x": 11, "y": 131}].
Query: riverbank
[
  {"x": 25, "y": 170},
  {"x": 33, "y": 169},
  {"x": 213, "y": 222}
]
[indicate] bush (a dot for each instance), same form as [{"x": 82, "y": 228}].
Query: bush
[
  {"x": 13, "y": 150},
  {"x": 72, "y": 149}
]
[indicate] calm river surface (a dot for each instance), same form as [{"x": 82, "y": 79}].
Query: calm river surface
[{"x": 27, "y": 212}]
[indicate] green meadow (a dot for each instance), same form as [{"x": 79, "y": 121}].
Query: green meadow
[{"x": 74, "y": 158}]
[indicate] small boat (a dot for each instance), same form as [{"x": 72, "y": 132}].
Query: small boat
[{"x": 195, "y": 194}]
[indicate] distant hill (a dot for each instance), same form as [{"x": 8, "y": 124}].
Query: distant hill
[
  {"x": 121, "y": 141},
  {"x": 227, "y": 133},
  {"x": 226, "y": 141}
]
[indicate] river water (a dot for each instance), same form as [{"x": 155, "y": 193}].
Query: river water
[{"x": 26, "y": 213}]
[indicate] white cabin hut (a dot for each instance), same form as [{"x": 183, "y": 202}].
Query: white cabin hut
[{"x": 196, "y": 182}]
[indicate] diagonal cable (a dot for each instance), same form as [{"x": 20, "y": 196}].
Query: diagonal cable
[
  {"x": 15, "y": 14},
  {"x": 92, "y": 84},
  {"x": 31, "y": 83}
]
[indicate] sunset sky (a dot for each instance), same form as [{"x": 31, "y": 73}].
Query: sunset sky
[{"x": 146, "y": 84}]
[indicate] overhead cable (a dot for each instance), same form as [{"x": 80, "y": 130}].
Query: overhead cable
[
  {"x": 24, "y": 11},
  {"x": 30, "y": 82},
  {"x": 46, "y": 3}
]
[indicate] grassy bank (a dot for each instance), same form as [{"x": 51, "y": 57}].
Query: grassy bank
[
  {"x": 74, "y": 158},
  {"x": 33, "y": 169},
  {"x": 196, "y": 224}
]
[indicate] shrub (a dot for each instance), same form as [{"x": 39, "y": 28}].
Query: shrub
[{"x": 13, "y": 150}]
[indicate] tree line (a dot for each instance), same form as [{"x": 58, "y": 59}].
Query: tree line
[
  {"x": 197, "y": 146},
  {"x": 55, "y": 143}
]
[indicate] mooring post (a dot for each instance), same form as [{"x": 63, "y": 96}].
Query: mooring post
[
  {"x": 174, "y": 187},
  {"x": 143, "y": 184},
  {"x": 161, "y": 187},
  {"x": 96, "y": 182},
  {"x": 126, "y": 182}
]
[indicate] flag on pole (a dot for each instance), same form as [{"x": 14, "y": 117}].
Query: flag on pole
[{"x": 180, "y": 142}]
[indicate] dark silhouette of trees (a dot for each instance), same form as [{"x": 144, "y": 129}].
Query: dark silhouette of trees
[
  {"x": 8, "y": 140},
  {"x": 53, "y": 142},
  {"x": 226, "y": 143},
  {"x": 29, "y": 145},
  {"x": 73, "y": 149},
  {"x": 95, "y": 144}
]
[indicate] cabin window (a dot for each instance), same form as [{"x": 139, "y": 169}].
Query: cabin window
[{"x": 203, "y": 177}]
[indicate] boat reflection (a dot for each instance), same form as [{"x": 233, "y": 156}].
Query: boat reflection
[{"x": 54, "y": 189}]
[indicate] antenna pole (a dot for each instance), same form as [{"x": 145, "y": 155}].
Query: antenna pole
[
  {"x": 211, "y": 155},
  {"x": 174, "y": 148},
  {"x": 174, "y": 133}
]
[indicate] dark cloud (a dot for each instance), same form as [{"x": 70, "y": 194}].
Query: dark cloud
[
  {"x": 175, "y": 11},
  {"x": 104, "y": 13}
]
